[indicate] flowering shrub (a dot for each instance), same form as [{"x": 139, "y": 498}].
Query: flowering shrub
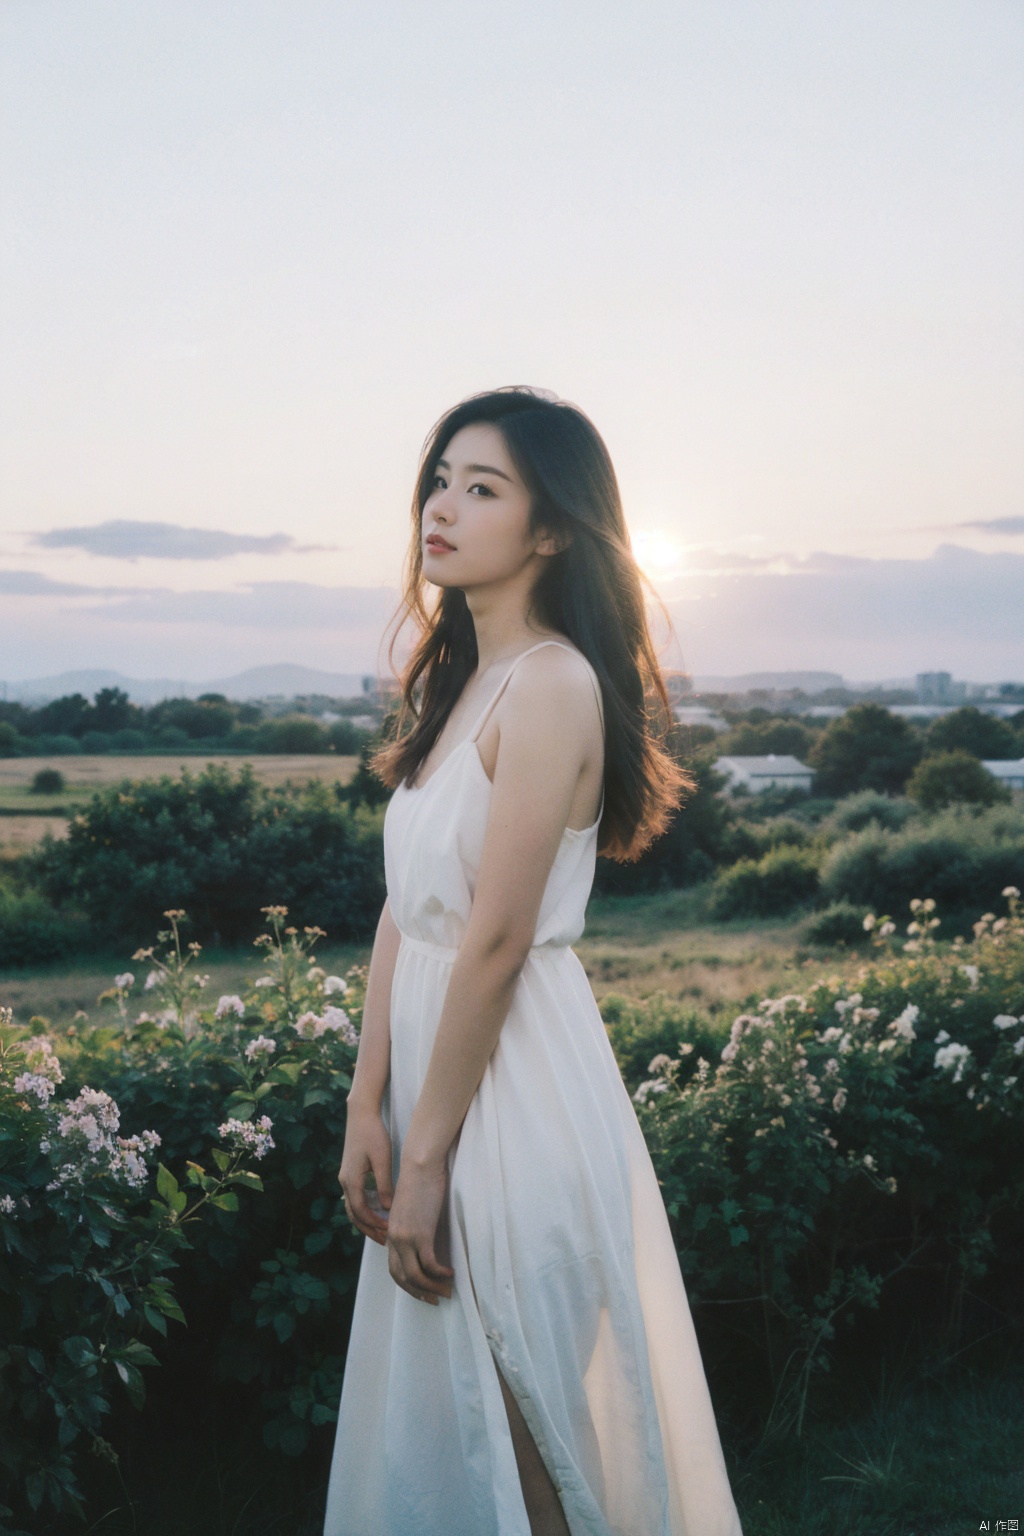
[
  {"x": 278, "y": 1054},
  {"x": 85, "y": 1250},
  {"x": 844, "y": 1136}
]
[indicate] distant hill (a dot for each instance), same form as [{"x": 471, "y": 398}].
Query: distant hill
[{"x": 283, "y": 680}]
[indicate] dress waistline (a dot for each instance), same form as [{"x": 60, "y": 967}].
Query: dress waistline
[{"x": 440, "y": 952}]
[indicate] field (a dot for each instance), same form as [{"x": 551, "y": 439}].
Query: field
[{"x": 25, "y": 817}]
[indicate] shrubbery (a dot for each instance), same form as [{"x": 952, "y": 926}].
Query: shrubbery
[
  {"x": 218, "y": 845},
  {"x": 835, "y": 1140},
  {"x": 954, "y": 778},
  {"x": 780, "y": 880},
  {"x": 849, "y": 1136},
  {"x": 87, "y": 1248},
  {"x": 963, "y": 857}
]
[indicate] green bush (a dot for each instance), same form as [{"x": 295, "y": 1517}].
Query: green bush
[
  {"x": 129, "y": 740},
  {"x": 47, "y": 781},
  {"x": 293, "y": 734},
  {"x": 963, "y": 857},
  {"x": 33, "y": 932},
  {"x": 85, "y": 1251},
  {"x": 57, "y": 746},
  {"x": 780, "y": 880},
  {"x": 12, "y": 744},
  {"x": 858, "y": 811},
  {"x": 841, "y": 924},
  {"x": 954, "y": 778},
  {"x": 84, "y": 1271},
  {"x": 219, "y": 845},
  {"x": 97, "y": 742},
  {"x": 854, "y": 1149}
]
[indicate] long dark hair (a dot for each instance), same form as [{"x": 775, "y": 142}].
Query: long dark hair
[{"x": 591, "y": 592}]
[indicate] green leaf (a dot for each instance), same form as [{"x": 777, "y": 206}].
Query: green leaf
[
  {"x": 316, "y": 1095},
  {"x": 166, "y": 1183},
  {"x": 134, "y": 1384},
  {"x": 154, "y": 1318},
  {"x": 220, "y": 1157},
  {"x": 228, "y": 1201}
]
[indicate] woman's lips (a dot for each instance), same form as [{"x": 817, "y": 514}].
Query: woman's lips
[{"x": 438, "y": 545}]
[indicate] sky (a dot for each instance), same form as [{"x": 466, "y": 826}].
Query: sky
[{"x": 250, "y": 253}]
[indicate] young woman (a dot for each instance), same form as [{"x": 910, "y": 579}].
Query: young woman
[{"x": 522, "y": 1358}]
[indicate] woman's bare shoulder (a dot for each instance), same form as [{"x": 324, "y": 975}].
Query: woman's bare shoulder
[{"x": 556, "y": 681}]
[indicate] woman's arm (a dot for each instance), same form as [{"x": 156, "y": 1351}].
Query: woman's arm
[
  {"x": 367, "y": 1142},
  {"x": 550, "y": 730}
]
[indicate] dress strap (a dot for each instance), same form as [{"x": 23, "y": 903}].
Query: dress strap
[{"x": 505, "y": 680}]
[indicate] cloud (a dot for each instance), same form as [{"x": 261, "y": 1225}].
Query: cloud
[
  {"x": 34, "y": 584},
  {"x": 123, "y": 539},
  {"x": 996, "y": 525},
  {"x": 265, "y": 605},
  {"x": 957, "y": 610}
]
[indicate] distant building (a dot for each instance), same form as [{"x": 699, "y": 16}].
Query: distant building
[
  {"x": 1007, "y": 772},
  {"x": 772, "y": 772},
  {"x": 700, "y": 714},
  {"x": 939, "y": 688}
]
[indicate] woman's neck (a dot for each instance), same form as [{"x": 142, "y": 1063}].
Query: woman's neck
[{"x": 503, "y": 626}]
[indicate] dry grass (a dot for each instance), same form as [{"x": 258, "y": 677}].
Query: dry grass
[
  {"x": 19, "y": 833},
  {"x": 640, "y": 945},
  {"x": 89, "y": 773}
]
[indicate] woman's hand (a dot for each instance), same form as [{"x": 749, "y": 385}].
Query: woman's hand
[
  {"x": 412, "y": 1233},
  {"x": 367, "y": 1150}
]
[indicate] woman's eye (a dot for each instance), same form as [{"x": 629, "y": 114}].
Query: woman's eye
[
  {"x": 439, "y": 482},
  {"x": 484, "y": 490}
]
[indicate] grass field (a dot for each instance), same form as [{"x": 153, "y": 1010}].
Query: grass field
[{"x": 24, "y": 816}]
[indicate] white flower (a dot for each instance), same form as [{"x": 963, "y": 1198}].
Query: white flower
[
  {"x": 7, "y": 1205},
  {"x": 659, "y": 1063},
  {"x": 264, "y": 981},
  {"x": 844, "y": 1004},
  {"x": 942, "y": 1036},
  {"x": 1004, "y": 1021},
  {"x": 244, "y": 1135},
  {"x": 333, "y": 984},
  {"x": 868, "y": 1161},
  {"x": 830, "y": 1035},
  {"x": 953, "y": 1055},
  {"x": 261, "y": 1046},
  {"x": 886, "y": 929},
  {"x": 35, "y": 1083},
  {"x": 1010, "y": 890},
  {"x": 151, "y": 981},
  {"x": 125, "y": 980},
  {"x": 1018, "y": 1049},
  {"x": 972, "y": 972},
  {"x": 903, "y": 1026},
  {"x": 41, "y": 1059},
  {"x": 869, "y": 922},
  {"x": 890, "y": 1185},
  {"x": 645, "y": 1089},
  {"x": 229, "y": 1003},
  {"x": 831, "y": 1067},
  {"x": 1009, "y": 1082},
  {"x": 839, "y": 1100}
]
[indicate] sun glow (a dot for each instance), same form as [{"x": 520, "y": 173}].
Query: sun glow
[{"x": 658, "y": 554}]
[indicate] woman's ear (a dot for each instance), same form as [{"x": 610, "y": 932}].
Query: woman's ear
[{"x": 551, "y": 543}]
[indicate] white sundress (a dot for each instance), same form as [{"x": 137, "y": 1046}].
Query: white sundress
[{"x": 565, "y": 1270}]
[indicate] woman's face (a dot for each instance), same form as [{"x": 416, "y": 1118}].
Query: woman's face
[{"x": 475, "y": 528}]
